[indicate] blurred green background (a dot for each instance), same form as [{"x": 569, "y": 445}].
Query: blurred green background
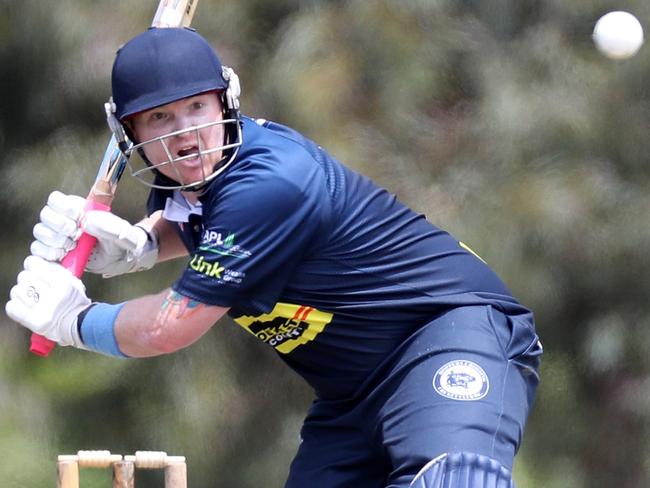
[{"x": 496, "y": 118}]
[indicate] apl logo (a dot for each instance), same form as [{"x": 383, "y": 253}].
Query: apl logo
[
  {"x": 215, "y": 243},
  {"x": 461, "y": 380},
  {"x": 215, "y": 238}
]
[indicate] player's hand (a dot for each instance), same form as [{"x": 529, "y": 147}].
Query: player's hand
[
  {"x": 58, "y": 230},
  {"x": 47, "y": 299},
  {"x": 121, "y": 247}
]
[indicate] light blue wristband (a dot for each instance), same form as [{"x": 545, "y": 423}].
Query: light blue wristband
[{"x": 97, "y": 329}]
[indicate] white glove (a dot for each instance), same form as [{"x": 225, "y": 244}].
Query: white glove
[
  {"x": 58, "y": 230},
  {"x": 121, "y": 247},
  {"x": 47, "y": 299}
]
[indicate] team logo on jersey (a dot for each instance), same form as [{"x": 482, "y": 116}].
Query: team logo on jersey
[
  {"x": 212, "y": 269},
  {"x": 461, "y": 380},
  {"x": 222, "y": 243},
  {"x": 287, "y": 326}
]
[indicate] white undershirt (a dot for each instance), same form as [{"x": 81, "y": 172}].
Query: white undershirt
[{"x": 179, "y": 209}]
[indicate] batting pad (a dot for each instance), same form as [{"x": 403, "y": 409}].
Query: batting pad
[{"x": 463, "y": 470}]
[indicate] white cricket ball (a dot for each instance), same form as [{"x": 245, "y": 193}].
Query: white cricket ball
[{"x": 618, "y": 35}]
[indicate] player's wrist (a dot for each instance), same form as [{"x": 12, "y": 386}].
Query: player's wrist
[
  {"x": 96, "y": 328},
  {"x": 73, "y": 334}
]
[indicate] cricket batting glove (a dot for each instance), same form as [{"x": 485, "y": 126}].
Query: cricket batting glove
[
  {"x": 121, "y": 247},
  {"x": 47, "y": 299}
]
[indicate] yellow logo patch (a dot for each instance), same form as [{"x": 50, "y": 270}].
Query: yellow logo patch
[{"x": 287, "y": 326}]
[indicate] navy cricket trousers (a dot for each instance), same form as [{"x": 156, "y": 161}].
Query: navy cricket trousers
[{"x": 464, "y": 382}]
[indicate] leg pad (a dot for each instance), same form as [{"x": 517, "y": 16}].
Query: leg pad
[{"x": 463, "y": 470}]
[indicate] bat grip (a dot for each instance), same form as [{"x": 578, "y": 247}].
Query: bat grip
[{"x": 75, "y": 261}]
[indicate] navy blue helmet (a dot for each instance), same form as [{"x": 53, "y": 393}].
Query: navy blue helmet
[{"x": 162, "y": 65}]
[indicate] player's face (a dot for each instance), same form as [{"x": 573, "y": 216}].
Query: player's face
[{"x": 188, "y": 144}]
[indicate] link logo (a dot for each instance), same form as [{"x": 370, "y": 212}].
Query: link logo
[{"x": 212, "y": 269}]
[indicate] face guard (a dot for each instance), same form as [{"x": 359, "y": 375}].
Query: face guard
[{"x": 150, "y": 175}]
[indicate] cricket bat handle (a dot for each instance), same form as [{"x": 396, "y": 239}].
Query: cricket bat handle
[{"x": 75, "y": 261}]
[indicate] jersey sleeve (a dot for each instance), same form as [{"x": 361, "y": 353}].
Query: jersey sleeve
[{"x": 256, "y": 229}]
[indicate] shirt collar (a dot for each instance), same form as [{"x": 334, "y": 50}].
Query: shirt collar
[{"x": 178, "y": 209}]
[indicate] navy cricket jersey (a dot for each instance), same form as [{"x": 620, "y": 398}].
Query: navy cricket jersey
[{"x": 319, "y": 262}]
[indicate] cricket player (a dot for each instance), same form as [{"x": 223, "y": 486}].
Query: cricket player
[{"x": 423, "y": 364}]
